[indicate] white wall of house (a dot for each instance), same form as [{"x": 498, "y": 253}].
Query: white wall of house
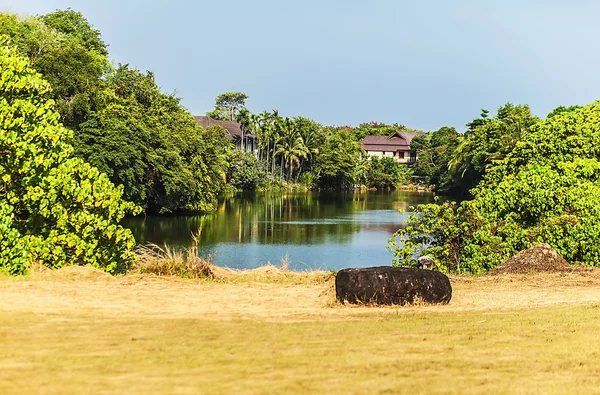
[
  {"x": 378, "y": 154},
  {"x": 391, "y": 154}
]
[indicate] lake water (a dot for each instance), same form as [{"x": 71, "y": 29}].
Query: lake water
[{"x": 311, "y": 230}]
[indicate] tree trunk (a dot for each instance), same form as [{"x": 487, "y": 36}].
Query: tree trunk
[
  {"x": 299, "y": 171},
  {"x": 273, "y": 162}
]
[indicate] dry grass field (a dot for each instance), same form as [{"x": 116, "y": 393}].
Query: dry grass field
[{"x": 80, "y": 331}]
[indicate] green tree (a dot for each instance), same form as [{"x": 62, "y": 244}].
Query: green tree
[
  {"x": 122, "y": 123},
  {"x": 561, "y": 109},
  {"x": 55, "y": 209},
  {"x": 245, "y": 172},
  {"x": 74, "y": 24},
  {"x": 148, "y": 142},
  {"x": 547, "y": 189},
  {"x": 228, "y": 105},
  {"x": 487, "y": 141},
  {"x": 291, "y": 147},
  {"x": 383, "y": 172},
  {"x": 69, "y": 53},
  {"x": 435, "y": 154},
  {"x": 263, "y": 125},
  {"x": 313, "y": 136},
  {"x": 339, "y": 161}
]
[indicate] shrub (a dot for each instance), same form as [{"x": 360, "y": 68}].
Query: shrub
[
  {"x": 54, "y": 209},
  {"x": 245, "y": 172},
  {"x": 385, "y": 173},
  {"x": 546, "y": 190}
]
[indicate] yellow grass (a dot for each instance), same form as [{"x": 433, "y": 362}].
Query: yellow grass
[
  {"x": 166, "y": 261},
  {"x": 144, "y": 334}
]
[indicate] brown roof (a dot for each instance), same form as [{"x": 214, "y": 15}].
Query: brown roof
[
  {"x": 234, "y": 128},
  {"x": 399, "y": 141},
  {"x": 386, "y": 148},
  {"x": 411, "y": 135}
]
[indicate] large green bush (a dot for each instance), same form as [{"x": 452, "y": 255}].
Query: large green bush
[
  {"x": 55, "y": 209},
  {"x": 547, "y": 189},
  {"x": 245, "y": 172},
  {"x": 385, "y": 172}
]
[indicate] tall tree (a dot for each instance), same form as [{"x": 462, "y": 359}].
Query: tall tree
[
  {"x": 55, "y": 209},
  {"x": 339, "y": 161},
  {"x": 488, "y": 140},
  {"x": 73, "y": 24},
  {"x": 435, "y": 153},
  {"x": 122, "y": 122},
  {"x": 244, "y": 117},
  {"x": 147, "y": 141},
  {"x": 228, "y": 105},
  {"x": 69, "y": 52},
  {"x": 291, "y": 147},
  {"x": 313, "y": 137}
]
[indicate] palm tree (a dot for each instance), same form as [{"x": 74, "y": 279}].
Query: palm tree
[
  {"x": 244, "y": 118},
  {"x": 312, "y": 134},
  {"x": 257, "y": 130},
  {"x": 291, "y": 147}
]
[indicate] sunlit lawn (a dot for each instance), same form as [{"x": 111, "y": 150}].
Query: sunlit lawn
[{"x": 546, "y": 349}]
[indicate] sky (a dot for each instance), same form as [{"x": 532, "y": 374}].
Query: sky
[{"x": 423, "y": 64}]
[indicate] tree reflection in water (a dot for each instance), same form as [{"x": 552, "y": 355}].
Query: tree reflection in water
[{"x": 248, "y": 230}]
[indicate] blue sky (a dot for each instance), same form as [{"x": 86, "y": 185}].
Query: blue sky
[{"x": 424, "y": 64}]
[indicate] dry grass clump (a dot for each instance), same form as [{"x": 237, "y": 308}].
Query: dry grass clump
[
  {"x": 273, "y": 275},
  {"x": 170, "y": 262}
]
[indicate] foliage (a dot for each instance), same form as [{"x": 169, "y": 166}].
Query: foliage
[
  {"x": 13, "y": 256},
  {"x": 450, "y": 233},
  {"x": 291, "y": 147},
  {"x": 54, "y": 209},
  {"x": 245, "y": 172},
  {"x": 547, "y": 189},
  {"x": 140, "y": 137},
  {"x": 148, "y": 142},
  {"x": 561, "y": 109},
  {"x": 384, "y": 173},
  {"x": 339, "y": 162},
  {"x": 287, "y": 146},
  {"x": 67, "y": 50},
  {"x": 229, "y": 106},
  {"x": 75, "y": 25},
  {"x": 434, "y": 156},
  {"x": 486, "y": 141}
]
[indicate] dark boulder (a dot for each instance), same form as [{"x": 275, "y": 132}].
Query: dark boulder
[{"x": 392, "y": 286}]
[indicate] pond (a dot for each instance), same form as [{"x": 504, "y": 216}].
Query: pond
[{"x": 309, "y": 231}]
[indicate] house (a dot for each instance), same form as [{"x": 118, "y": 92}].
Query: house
[
  {"x": 396, "y": 146},
  {"x": 243, "y": 140}
]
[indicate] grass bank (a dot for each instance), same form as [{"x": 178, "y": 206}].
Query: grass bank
[{"x": 69, "y": 333}]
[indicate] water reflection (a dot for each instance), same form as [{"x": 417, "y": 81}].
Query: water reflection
[{"x": 316, "y": 230}]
